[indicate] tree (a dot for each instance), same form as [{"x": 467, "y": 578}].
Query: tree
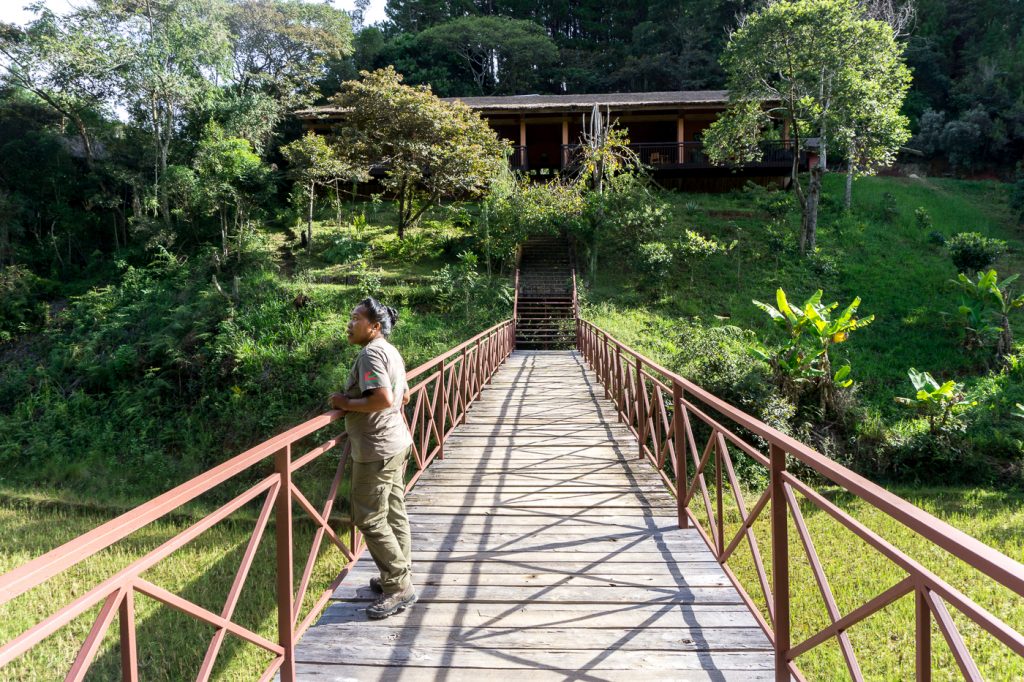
[
  {"x": 822, "y": 69},
  {"x": 504, "y": 55},
  {"x": 427, "y": 149},
  {"x": 229, "y": 173},
  {"x": 178, "y": 47},
  {"x": 314, "y": 163},
  {"x": 68, "y": 62},
  {"x": 283, "y": 47},
  {"x": 604, "y": 154}
]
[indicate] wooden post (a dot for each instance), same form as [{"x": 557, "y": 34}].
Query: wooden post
[
  {"x": 619, "y": 393},
  {"x": 640, "y": 396},
  {"x": 444, "y": 412},
  {"x": 923, "y": 652},
  {"x": 564, "y": 150},
  {"x": 681, "y": 137},
  {"x": 679, "y": 442},
  {"x": 605, "y": 361},
  {"x": 129, "y": 643},
  {"x": 780, "y": 563},
  {"x": 285, "y": 577},
  {"x": 522, "y": 130}
]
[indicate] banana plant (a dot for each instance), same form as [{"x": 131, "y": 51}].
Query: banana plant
[
  {"x": 933, "y": 400},
  {"x": 1005, "y": 303},
  {"x": 987, "y": 298},
  {"x": 811, "y": 332},
  {"x": 975, "y": 308}
]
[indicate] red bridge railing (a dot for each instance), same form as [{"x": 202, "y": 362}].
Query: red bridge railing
[
  {"x": 664, "y": 410},
  {"x": 443, "y": 390}
]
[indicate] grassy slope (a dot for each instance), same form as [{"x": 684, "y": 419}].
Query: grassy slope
[{"x": 901, "y": 278}]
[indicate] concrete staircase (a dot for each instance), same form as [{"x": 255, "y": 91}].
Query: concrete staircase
[{"x": 545, "y": 318}]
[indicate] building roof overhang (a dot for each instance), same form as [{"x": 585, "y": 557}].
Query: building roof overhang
[{"x": 564, "y": 104}]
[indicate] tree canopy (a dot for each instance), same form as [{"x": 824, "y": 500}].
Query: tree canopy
[
  {"x": 824, "y": 70},
  {"x": 426, "y": 148}
]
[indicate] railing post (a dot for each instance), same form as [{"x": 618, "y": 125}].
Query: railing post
[
  {"x": 129, "y": 643},
  {"x": 719, "y": 512},
  {"x": 606, "y": 375},
  {"x": 461, "y": 389},
  {"x": 515, "y": 309},
  {"x": 285, "y": 578},
  {"x": 444, "y": 412},
  {"x": 780, "y": 563},
  {"x": 641, "y": 414},
  {"x": 679, "y": 443},
  {"x": 619, "y": 394},
  {"x": 923, "y": 653}
]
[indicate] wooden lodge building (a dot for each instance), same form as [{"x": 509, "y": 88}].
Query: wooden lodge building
[{"x": 665, "y": 130}]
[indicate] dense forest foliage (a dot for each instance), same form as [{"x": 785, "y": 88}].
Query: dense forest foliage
[{"x": 967, "y": 58}]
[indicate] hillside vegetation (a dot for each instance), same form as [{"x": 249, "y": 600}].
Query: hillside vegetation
[{"x": 696, "y": 315}]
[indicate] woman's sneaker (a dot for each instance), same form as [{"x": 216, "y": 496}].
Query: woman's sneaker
[{"x": 390, "y": 604}]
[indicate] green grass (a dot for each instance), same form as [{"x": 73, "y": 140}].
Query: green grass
[
  {"x": 884, "y": 643},
  {"x": 902, "y": 279}
]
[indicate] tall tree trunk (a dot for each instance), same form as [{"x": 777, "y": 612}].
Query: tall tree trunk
[
  {"x": 809, "y": 222},
  {"x": 337, "y": 202},
  {"x": 223, "y": 232},
  {"x": 403, "y": 208},
  {"x": 5, "y": 244},
  {"x": 309, "y": 218},
  {"x": 1005, "y": 345},
  {"x": 848, "y": 196}
]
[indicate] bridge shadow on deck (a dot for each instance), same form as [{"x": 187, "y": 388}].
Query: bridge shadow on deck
[{"x": 543, "y": 549}]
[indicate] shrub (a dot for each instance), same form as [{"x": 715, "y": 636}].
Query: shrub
[
  {"x": 933, "y": 401},
  {"x": 937, "y": 238},
  {"x": 889, "y": 208},
  {"x": 1017, "y": 194},
  {"x": 822, "y": 264},
  {"x": 972, "y": 251},
  {"x": 654, "y": 259},
  {"x": 457, "y": 284},
  {"x": 22, "y": 308},
  {"x": 693, "y": 246},
  {"x": 922, "y": 218},
  {"x": 342, "y": 249}
]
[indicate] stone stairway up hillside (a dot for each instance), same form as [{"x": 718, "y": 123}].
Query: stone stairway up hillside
[{"x": 545, "y": 318}]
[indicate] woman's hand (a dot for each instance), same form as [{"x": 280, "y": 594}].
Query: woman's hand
[{"x": 339, "y": 401}]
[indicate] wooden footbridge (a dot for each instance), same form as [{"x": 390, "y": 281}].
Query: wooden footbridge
[
  {"x": 543, "y": 546},
  {"x": 576, "y": 515}
]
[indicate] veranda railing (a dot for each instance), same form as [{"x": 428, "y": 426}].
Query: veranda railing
[
  {"x": 442, "y": 390},
  {"x": 660, "y": 407}
]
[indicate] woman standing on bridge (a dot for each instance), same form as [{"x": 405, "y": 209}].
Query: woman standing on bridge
[{"x": 372, "y": 402}]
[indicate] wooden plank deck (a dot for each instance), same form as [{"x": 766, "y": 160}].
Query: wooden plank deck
[{"x": 543, "y": 549}]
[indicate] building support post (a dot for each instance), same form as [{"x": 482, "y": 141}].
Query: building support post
[{"x": 681, "y": 138}]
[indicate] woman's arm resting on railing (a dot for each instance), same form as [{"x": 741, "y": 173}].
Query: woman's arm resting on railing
[{"x": 377, "y": 400}]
